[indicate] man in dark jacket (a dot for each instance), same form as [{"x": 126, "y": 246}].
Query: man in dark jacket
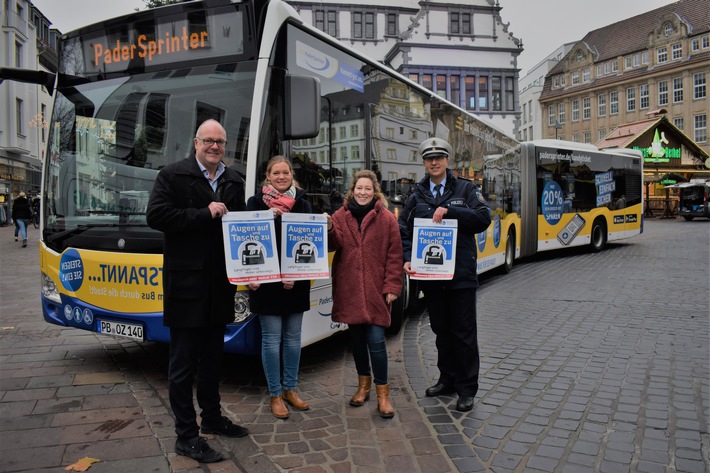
[
  {"x": 187, "y": 203},
  {"x": 451, "y": 304}
]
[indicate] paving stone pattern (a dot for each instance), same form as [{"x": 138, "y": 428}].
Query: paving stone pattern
[{"x": 590, "y": 362}]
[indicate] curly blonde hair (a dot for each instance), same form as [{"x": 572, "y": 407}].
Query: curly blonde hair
[{"x": 366, "y": 173}]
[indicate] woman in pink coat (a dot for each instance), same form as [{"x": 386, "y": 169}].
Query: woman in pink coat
[{"x": 367, "y": 278}]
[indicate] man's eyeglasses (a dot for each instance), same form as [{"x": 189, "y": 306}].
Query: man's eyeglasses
[{"x": 210, "y": 142}]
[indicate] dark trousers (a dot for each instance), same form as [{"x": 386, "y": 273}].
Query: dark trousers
[
  {"x": 369, "y": 346},
  {"x": 452, "y": 315},
  {"x": 195, "y": 351}
]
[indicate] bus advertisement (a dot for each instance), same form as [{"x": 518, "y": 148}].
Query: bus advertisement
[{"x": 130, "y": 93}]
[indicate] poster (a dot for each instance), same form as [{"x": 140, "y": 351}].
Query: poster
[
  {"x": 250, "y": 247},
  {"x": 434, "y": 249},
  {"x": 304, "y": 246}
]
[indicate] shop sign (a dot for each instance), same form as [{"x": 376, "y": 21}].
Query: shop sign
[{"x": 657, "y": 152}]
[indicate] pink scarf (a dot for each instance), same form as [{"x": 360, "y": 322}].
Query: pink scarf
[{"x": 275, "y": 199}]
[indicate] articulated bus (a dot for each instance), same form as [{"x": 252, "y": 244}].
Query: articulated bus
[
  {"x": 130, "y": 93},
  {"x": 553, "y": 194}
]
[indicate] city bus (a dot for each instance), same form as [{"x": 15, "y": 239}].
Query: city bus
[
  {"x": 553, "y": 194},
  {"x": 130, "y": 93}
]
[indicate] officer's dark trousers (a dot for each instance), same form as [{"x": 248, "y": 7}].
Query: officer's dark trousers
[
  {"x": 452, "y": 314},
  {"x": 194, "y": 351}
]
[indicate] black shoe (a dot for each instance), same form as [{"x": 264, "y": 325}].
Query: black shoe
[
  {"x": 198, "y": 449},
  {"x": 465, "y": 403},
  {"x": 438, "y": 389},
  {"x": 225, "y": 427},
  {"x": 24, "y": 242}
]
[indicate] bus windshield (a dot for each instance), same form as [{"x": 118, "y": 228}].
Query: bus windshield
[{"x": 130, "y": 96}]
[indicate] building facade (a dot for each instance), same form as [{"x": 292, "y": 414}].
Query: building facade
[
  {"x": 459, "y": 49},
  {"x": 530, "y": 87},
  {"x": 27, "y": 42},
  {"x": 625, "y": 72}
]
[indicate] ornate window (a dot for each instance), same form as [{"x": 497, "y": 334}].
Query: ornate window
[
  {"x": 392, "y": 24},
  {"x": 667, "y": 29},
  {"x": 327, "y": 21}
]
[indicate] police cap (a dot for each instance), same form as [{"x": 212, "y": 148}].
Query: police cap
[{"x": 434, "y": 147}]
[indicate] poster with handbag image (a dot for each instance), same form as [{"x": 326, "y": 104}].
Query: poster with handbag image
[
  {"x": 434, "y": 249},
  {"x": 250, "y": 247},
  {"x": 304, "y": 246}
]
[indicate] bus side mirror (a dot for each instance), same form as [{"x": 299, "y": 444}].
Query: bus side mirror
[
  {"x": 302, "y": 107},
  {"x": 30, "y": 76}
]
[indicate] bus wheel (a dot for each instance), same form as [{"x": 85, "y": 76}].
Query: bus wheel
[
  {"x": 598, "y": 235},
  {"x": 397, "y": 318},
  {"x": 509, "y": 252},
  {"x": 405, "y": 304}
]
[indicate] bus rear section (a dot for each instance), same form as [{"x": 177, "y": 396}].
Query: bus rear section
[
  {"x": 575, "y": 194},
  {"x": 694, "y": 199}
]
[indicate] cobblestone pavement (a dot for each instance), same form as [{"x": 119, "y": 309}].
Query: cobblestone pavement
[{"x": 590, "y": 362}]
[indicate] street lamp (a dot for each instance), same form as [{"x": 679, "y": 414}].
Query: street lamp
[{"x": 557, "y": 126}]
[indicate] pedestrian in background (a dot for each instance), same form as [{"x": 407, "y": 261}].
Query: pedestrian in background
[
  {"x": 367, "y": 279},
  {"x": 280, "y": 305},
  {"x": 451, "y": 304},
  {"x": 21, "y": 215},
  {"x": 187, "y": 203}
]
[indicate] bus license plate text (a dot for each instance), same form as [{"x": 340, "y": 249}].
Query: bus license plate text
[{"x": 120, "y": 329}]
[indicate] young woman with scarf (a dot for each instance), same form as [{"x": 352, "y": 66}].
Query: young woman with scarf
[
  {"x": 280, "y": 305},
  {"x": 367, "y": 278}
]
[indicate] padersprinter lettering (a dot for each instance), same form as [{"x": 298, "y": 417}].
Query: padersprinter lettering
[{"x": 143, "y": 48}]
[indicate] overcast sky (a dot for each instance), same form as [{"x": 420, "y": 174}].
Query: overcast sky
[{"x": 543, "y": 25}]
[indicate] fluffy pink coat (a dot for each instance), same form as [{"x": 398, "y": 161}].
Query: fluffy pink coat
[{"x": 367, "y": 265}]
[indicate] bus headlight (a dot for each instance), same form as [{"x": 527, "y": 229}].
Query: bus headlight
[
  {"x": 49, "y": 289},
  {"x": 241, "y": 307}
]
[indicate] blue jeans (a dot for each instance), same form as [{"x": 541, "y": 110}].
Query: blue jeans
[
  {"x": 281, "y": 332},
  {"x": 368, "y": 343},
  {"x": 21, "y": 226}
]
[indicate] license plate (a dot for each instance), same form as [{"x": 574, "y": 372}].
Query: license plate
[{"x": 121, "y": 329}]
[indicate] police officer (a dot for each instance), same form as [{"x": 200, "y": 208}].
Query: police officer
[{"x": 452, "y": 303}]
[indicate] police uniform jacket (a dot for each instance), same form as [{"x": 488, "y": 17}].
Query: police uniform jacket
[
  {"x": 272, "y": 298},
  {"x": 196, "y": 290},
  {"x": 465, "y": 204}
]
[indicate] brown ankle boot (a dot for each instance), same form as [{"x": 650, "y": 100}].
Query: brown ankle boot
[
  {"x": 363, "y": 391},
  {"x": 384, "y": 404},
  {"x": 296, "y": 402},
  {"x": 278, "y": 408}
]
